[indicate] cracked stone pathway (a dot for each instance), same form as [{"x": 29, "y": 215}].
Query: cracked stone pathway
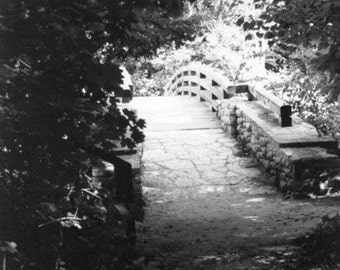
[{"x": 209, "y": 206}]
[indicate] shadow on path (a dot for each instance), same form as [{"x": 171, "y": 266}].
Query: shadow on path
[{"x": 208, "y": 205}]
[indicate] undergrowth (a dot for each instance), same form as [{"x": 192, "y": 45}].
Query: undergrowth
[{"x": 321, "y": 247}]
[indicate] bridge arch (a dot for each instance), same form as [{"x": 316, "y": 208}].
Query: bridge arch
[
  {"x": 202, "y": 81},
  {"x": 212, "y": 87}
]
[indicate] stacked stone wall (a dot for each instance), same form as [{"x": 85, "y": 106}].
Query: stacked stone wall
[
  {"x": 290, "y": 155},
  {"x": 256, "y": 140}
]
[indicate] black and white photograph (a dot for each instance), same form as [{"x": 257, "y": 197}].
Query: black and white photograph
[{"x": 169, "y": 135}]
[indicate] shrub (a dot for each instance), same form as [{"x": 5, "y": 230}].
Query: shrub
[{"x": 322, "y": 246}]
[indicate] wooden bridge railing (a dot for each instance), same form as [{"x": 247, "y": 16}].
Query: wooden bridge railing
[{"x": 212, "y": 87}]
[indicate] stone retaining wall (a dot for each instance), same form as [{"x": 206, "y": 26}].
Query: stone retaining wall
[{"x": 290, "y": 154}]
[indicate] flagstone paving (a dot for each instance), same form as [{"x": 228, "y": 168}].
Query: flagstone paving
[{"x": 209, "y": 205}]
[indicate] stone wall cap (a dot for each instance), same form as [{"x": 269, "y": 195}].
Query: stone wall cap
[{"x": 300, "y": 134}]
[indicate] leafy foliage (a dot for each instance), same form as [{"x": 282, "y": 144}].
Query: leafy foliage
[
  {"x": 302, "y": 26},
  {"x": 59, "y": 63},
  {"x": 316, "y": 184},
  {"x": 312, "y": 105},
  {"x": 216, "y": 42},
  {"x": 321, "y": 247},
  {"x": 154, "y": 30},
  {"x": 309, "y": 95}
]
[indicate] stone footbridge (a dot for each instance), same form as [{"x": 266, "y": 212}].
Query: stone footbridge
[
  {"x": 208, "y": 204},
  {"x": 289, "y": 149},
  {"x": 211, "y": 205}
]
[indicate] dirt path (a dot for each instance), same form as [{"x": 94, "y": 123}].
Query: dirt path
[{"x": 208, "y": 205}]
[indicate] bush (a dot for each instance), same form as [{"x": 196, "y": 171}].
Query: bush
[
  {"x": 322, "y": 246},
  {"x": 310, "y": 92}
]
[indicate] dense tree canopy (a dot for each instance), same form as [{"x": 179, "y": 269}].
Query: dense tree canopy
[
  {"x": 310, "y": 28},
  {"x": 59, "y": 63}
]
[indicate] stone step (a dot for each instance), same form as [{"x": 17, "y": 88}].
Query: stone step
[{"x": 313, "y": 157}]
